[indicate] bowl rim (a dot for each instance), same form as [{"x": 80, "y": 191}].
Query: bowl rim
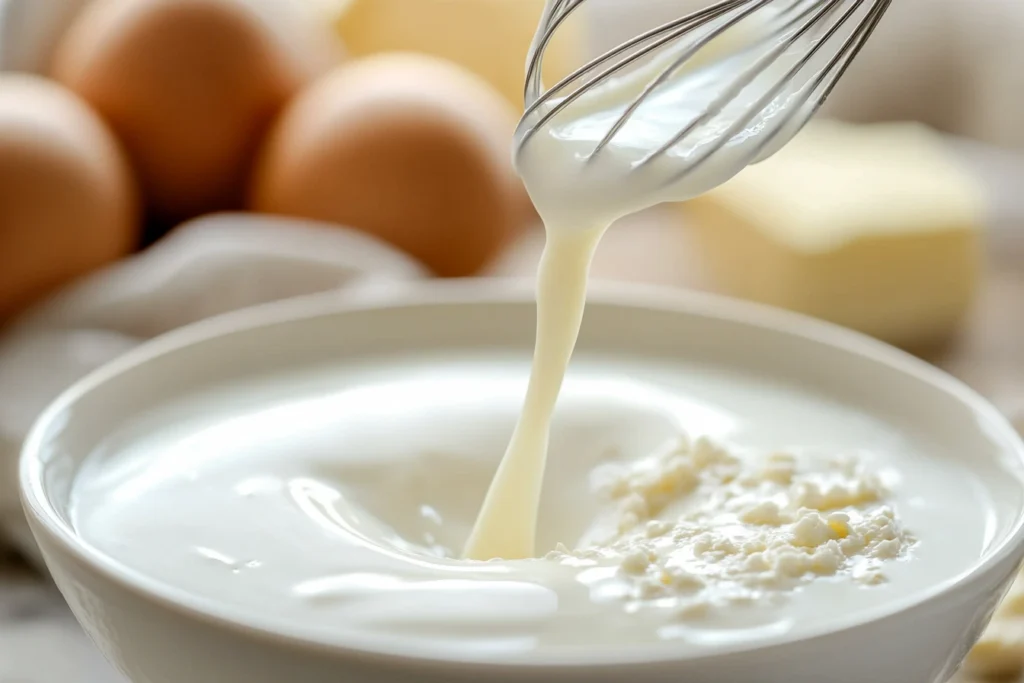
[{"x": 474, "y": 291}]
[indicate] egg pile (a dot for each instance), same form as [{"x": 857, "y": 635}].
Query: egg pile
[{"x": 155, "y": 112}]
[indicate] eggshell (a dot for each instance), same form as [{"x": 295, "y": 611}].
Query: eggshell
[
  {"x": 412, "y": 149},
  {"x": 67, "y": 200},
  {"x": 189, "y": 86}
]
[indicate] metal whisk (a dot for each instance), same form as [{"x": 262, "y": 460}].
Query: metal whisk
[{"x": 826, "y": 36}]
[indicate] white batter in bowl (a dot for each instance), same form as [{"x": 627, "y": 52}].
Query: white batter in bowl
[{"x": 281, "y": 493}]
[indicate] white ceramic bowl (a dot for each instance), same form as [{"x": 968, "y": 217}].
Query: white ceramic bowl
[{"x": 155, "y": 633}]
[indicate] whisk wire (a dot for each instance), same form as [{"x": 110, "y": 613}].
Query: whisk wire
[
  {"x": 662, "y": 35},
  {"x": 827, "y": 76},
  {"x": 745, "y": 79},
  {"x": 793, "y": 22},
  {"x": 866, "y": 30},
  {"x": 767, "y": 98},
  {"x": 666, "y": 74},
  {"x": 555, "y": 16},
  {"x": 555, "y": 13}
]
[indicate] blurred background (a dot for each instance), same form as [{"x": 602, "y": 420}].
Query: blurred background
[
  {"x": 146, "y": 114},
  {"x": 164, "y": 160},
  {"x": 391, "y": 118}
]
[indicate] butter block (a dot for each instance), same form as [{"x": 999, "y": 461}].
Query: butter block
[
  {"x": 488, "y": 37},
  {"x": 873, "y": 227}
]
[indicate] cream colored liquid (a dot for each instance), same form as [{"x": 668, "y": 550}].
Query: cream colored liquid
[
  {"x": 578, "y": 201},
  {"x": 507, "y": 524}
]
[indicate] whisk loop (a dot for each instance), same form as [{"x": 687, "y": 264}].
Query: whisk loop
[{"x": 795, "y": 49}]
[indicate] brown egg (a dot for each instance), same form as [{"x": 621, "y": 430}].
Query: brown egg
[
  {"x": 411, "y": 149},
  {"x": 189, "y": 86},
  {"x": 67, "y": 200}
]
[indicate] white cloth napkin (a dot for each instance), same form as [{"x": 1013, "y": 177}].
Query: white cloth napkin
[{"x": 212, "y": 265}]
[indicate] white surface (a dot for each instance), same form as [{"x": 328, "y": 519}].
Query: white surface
[{"x": 918, "y": 643}]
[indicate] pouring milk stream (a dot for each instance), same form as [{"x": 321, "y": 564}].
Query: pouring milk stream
[{"x": 578, "y": 198}]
